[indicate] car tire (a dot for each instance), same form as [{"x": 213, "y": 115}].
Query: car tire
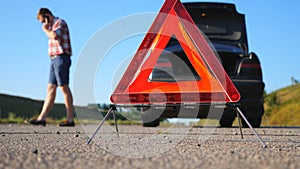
[
  {"x": 227, "y": 118},
  {"x": 253, "y": 115},
  {"x": 150, "y": 118},
  {"x": 254, "y": 121},
  {"x": 153, "y": 123}
]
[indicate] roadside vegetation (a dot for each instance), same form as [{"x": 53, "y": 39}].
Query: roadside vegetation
[{"x": 282, "y": 107}]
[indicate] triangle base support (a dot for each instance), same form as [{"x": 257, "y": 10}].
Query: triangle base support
[
  {"x": 241, "y": 114},
  {"x": 113, "y": 111}
]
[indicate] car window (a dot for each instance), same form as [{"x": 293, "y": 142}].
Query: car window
[
  {"x": 217, "y": 24},
  {"x": 173, "y": 65}
]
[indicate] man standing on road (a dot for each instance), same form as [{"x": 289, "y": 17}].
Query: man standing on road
[{"x": 60, "y": 51}]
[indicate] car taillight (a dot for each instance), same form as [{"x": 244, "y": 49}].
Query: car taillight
[
  {"x": 250, "y": 69},
  {"x": 250, "y": 66}
]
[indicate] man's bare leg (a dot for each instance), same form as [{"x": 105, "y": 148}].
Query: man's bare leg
[
  {"x": 49, "y": 101},
  {"x": 68, "y": 101}
]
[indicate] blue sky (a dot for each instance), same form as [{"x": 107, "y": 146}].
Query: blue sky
[{"x": 273, "y": 34}]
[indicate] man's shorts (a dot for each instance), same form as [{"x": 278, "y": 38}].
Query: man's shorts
[{"x": 60, "y": 70}]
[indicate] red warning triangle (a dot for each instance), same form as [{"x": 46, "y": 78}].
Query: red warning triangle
[{"x": 159, "y": 75}]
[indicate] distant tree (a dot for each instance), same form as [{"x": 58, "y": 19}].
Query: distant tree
[
  {"x": 103, "y": 106},
  {"x": 294, "y": 81}
]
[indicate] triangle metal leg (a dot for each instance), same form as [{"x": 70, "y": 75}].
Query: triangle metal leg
[
  {"x": 240, "y": 124},
  {"x": 111, "y": 110},
  {"x": 114, "y": 114},
  {"x": 258, "y": 137}
]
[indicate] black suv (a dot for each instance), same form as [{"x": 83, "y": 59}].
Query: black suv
[{"x": 226, "y": 30}]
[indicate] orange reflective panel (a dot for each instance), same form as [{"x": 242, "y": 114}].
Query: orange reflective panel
[{"x": 174, "y": 64}]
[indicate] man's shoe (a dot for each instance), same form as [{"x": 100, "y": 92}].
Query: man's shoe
[
  {"x": 37, "y": 122},
  {"x": 67, "y": 124}
]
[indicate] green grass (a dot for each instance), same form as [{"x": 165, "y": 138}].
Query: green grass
[
  {"x": 282, "y": 107},
  {"x": 26, "y": 108}
]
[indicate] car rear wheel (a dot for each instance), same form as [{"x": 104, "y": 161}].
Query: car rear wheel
[
  {"x": 227, "y": 118},
  {"x": 150, "y": 118},
  {"x": 254, "y": 114},
  {"x": 153, "y": 123},
  {"x": 255, "y": 122}
]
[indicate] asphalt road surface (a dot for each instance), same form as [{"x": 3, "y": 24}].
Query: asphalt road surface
[{"x": 24, "y": 146}]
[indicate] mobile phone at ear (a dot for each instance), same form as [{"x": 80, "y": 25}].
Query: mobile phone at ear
[{"x": 46, "y": 19}]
